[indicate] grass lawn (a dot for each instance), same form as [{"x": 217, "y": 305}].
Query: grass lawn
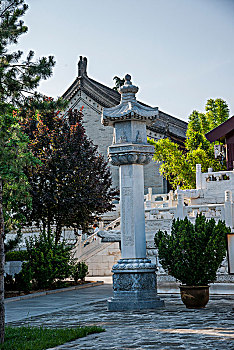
[{"x": 39, "y": 338}]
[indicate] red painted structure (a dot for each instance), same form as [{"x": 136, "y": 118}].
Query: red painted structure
[{"x": 225, "y": 133}]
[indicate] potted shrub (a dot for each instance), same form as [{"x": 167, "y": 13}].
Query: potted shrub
[{"x": 192, "y": 253}]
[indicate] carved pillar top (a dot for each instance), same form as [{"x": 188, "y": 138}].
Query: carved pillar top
[
  {"x": 129, "y": 120},
  {"x": 129, "y": 108}
]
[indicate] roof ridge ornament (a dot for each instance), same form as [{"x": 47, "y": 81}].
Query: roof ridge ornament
[{"x": 82, "y": 66}]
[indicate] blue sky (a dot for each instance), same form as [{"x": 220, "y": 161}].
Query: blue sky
[{"x": 179, "y": 52}]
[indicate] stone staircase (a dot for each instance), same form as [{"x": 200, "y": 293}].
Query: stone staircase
[{"x": 100, "y": 257}]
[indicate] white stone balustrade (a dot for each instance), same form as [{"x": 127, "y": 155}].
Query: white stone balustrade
[{"x": 212, "y": 197}]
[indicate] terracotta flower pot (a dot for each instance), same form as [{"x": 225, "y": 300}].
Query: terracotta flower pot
[{"x": 194, "y": 297}]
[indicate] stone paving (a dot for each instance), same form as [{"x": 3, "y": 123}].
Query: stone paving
[{"x": 170, "y": 328}]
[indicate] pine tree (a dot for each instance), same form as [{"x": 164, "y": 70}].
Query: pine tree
[{"x": 18, "y": 78}]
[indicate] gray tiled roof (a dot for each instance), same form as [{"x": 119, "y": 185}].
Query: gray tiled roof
[{"x": 100, "y": 93}]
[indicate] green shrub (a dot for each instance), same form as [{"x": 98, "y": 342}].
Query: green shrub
[
  {"x": 20, "y": 282},
  {"x": 79, "y": 271},
  {"x": 12, "y": 244},
  {"x": 20, "y": 255},
  {"x": 192, "y": 253},
  {"x": 23, "y": 278},
  {"x": 9, "y": 282},
  {"x": 48, "y": 261}
]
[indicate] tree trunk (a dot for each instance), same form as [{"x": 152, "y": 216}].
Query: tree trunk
[
  {"x": 2, "y": 269},
  {"x": 58, "y": 232},
  {"x": 44, "y": 226},
  {"x": 48, "y": 223}
]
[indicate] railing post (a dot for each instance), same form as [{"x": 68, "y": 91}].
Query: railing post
[
  {"x": 148, "y": 204},
  {"x": 170, "y": 197},
  {"x": 198, "y": 177},
  {"x": 179, "y": 214},
  {"x": 101, "y": 225},
  {"x": 148, "y": 198},
  {"x": 228, "y": 208}
]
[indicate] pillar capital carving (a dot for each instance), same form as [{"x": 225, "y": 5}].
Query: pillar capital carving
[{"x": 130, "y": 154}]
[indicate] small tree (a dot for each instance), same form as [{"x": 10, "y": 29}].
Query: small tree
[
  {"x": 79, "y": 271},
  {"x": 179, "y": 166},
  {"x": 72, "y": 184},
  {"x": 48, "y": 261},
  {"x": 192, "y": 253}
]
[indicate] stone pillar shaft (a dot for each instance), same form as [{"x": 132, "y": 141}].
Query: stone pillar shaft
[{"x": 132, "y": 211}]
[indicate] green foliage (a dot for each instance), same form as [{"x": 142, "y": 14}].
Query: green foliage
[
  {"x": 23, "y": 279},
  {"x": 178, "y": 165},
  {"x": 9, "y": 282},
  {"x": 72, "y": 183},
  {"x": 13, "y": 243},
  {"x": 14, "y": 156},
  {"x": 19, "y": 282},
  {"x": 47, "y": 264},
  {"x": 79, "y": 271},
  {"x": 192, "y": 253},
  {"x": 18, "y": 76},
  {"x": 17, "y": 255},
  {"x": 48, "y": 261},
  {"x": 174, "y": 166},
  {"x": 40, "y": 338},
  {"x": 217, "y": 112},
  {"x": 195, "y": 135}
]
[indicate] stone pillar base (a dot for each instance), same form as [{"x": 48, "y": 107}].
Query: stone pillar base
[{"x": 135, "y": 287}]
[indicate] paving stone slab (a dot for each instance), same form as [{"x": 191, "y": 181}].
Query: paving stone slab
[
  {"x": 53, "y": 291},
  {"x": 171, "y": 328}
]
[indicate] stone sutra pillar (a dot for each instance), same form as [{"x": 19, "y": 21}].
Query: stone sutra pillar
[{"x": 134, "y": 277}]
